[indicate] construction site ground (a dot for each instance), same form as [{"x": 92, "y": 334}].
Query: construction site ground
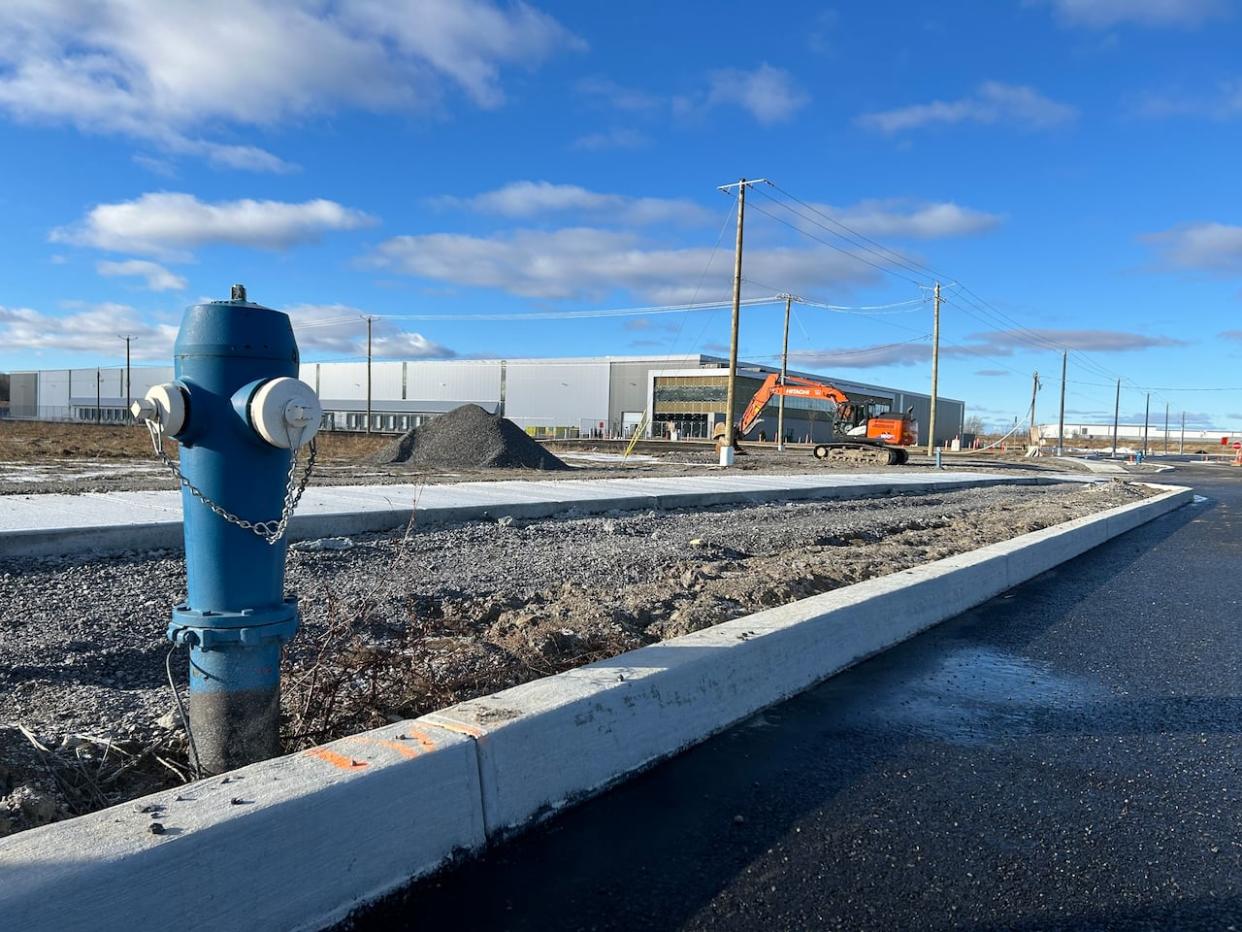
[
  {"x": 399, "y": 624},
  {"x": 37, "y": 457}
]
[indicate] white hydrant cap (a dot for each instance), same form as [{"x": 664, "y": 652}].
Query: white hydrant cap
[
  {"x": 285, "y": 412},
  {"x": 164, "y": 404}
]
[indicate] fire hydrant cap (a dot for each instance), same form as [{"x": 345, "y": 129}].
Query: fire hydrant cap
[
  {"x": 285, "y": 412},
  {"x": 165, "y": 403}
]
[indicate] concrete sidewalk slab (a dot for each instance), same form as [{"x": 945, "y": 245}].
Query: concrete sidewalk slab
[{"x": 102, "y": 523}]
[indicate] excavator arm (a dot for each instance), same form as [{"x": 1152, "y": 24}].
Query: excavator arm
[{"x": 794, "y": 387}]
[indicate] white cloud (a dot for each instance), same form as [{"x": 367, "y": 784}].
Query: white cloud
[
  {"x": 769, "y": 94},
  {"x": 92, "y": 330},
  {"x": 1004, "y": 342},
  {"x": 160, "y": 71},
  {"x": 1104, "y": 14},
  {"x": 618, "y": 96},
  {"x": 157, "y": 277},
  {"x": 983, "y": 345},
  {"x": 526, "y": 199},
  {"x": 170, "y": 224},
  {"x": 1208, "y": 247},
  {"x": 591, "y": 262},
  {"x": 338, "y": 329},
  {"x": 612, "y": 139},
  {"x": 1224, "y": 104},
  {"x": 994, "y": 103},
  {"x": 893, "y": 217},
  {"x": 864, "y": 357}
]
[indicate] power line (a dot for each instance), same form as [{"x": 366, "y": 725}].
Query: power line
[
  {"x": 900, "y": 258},
  {"x": 852, "y": 255},
  {"x": 968, "y": 296},
  {"x": 898, "y": 261}
]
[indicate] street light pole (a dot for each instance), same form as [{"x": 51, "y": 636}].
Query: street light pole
[
  {"x": 128, "y": 387},
  {"x": 1146, "y": 422},
  {"x": 1116, "y": 412},
  {"x": 726, "y": 452},
  {"x": 368, "y": 320},
  {"x": 935, "y": 373},
  {"x": 780, "y": 402},
  {"x": 1061, "y": 421}
]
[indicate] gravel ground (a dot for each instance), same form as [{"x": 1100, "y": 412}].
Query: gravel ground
[
  {"x": 76, "y": 475},
  {"x": 397, "y": 625}
]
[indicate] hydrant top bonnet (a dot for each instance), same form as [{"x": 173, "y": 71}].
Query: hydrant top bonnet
[{"x": 217, "y": 329}]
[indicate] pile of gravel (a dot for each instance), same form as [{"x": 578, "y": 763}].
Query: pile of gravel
[{"x": 468, "y": 437}]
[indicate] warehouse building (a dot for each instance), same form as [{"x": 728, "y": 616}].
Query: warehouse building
[
  {"x": 1128, "y": 433},
  {"x": 602, "y": 396}
]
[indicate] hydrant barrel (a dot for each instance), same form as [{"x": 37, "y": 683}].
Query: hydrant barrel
[{"x": 235, "y": 617}]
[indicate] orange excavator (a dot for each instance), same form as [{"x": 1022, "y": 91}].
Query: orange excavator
[{"x": 873, "y": 436}]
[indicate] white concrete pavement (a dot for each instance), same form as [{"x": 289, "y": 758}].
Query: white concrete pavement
[{"x": 113, "y": 522}]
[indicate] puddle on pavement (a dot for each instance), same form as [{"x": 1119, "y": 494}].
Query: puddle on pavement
[{"x": 966, "y": 694}]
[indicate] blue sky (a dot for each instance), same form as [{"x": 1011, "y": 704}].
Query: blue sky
[{"x": 1072, "y": 163}]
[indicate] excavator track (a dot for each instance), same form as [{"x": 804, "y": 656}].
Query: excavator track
[{"x": 867, "y": 453}]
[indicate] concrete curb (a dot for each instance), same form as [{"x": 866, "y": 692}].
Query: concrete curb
[
  {"x": 288, "y": 843},
  {"x": 626, "y": 713},
  {"x": 317, "y": 834},
  {"x": 483, "y": 501}
]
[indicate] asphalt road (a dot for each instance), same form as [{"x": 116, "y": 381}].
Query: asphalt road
[{"x": 1066, "y": 756}]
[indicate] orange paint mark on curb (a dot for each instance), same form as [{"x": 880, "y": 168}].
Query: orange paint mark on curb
[
  {"x": 335, "y": 759},
  {"x": 474, "y": 731},
  {"x": 423, "y": 738},
  {"x": 403, "y": 749}
]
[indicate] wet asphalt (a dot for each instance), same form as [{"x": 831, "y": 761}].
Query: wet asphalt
[{"x": 1066, "y": 756}]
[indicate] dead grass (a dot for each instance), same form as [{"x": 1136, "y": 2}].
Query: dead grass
[{"x": 44, "y": 442}]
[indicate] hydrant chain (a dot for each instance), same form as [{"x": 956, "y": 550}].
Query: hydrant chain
[{"x": 271, "y": 531}]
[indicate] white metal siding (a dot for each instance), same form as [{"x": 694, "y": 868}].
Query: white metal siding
[
  {"x": 147, "y": 377},
  {"x": 343, "y": 381},
  {"x": 561, "y": 395},
  {"x": 453, "y": 381},
  {"x": 385, "y": 381},
  {"x": 54, "y": 388}
]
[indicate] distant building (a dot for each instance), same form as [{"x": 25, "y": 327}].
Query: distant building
[
  {"x": 607, "y": 396},
  {"x": 1128, "y": 433}
]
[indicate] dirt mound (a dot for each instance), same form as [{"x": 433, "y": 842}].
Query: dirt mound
[{"x": 468, "y": 437}]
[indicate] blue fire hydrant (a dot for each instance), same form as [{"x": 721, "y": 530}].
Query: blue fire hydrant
[{"x": 240, "y": 415}]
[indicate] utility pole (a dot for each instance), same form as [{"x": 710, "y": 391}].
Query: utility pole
[
  {"x": 1146, "y": 421},
  {"x": 128, "y": 390},
  {"x": 369, "y": 318},
  {"x": 726, "y": 452},
  {"x": 1035, "y": 433},
  {"x": 1116, "y": 412},
  {"x": 1166, "y": 427},
  {"x": 1061, "y": 421},
  {"x": 98, "y": 393},
  {"x": 780, "y": 401},
  {"x": 931, "y": 415},
  {"x": 1181, "y": 443}
]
